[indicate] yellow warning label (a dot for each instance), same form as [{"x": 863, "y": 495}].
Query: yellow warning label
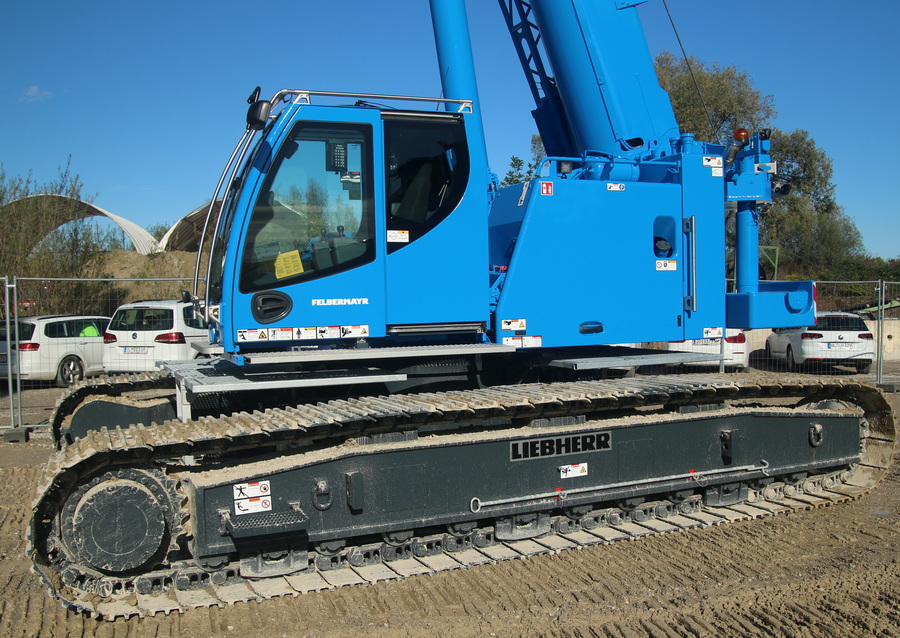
[{"x": 288, "y": 264}]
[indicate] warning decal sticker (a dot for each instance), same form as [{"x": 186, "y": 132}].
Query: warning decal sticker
[
  {"x": 572, "y": 471},
  {"x": 715, "y": 163},
  {"x": 513, "y": 324},
  {"x": 253, "y": 497},
  {"x": 666, "y": 265},
  {"x": 303, "y": 333},
  {"x": 328, "y": 332},
  {"x": 281, "y": 334},
  {"x": 354, "y": 331},
  {"x": 253, "y": 334},
  {"x": 524, "y": 341}
]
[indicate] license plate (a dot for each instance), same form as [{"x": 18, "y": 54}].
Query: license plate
[
  {"x": 135, "y": 350},
  {"x": 839, "y": 346},
  {"x": 706, "y": 342}
]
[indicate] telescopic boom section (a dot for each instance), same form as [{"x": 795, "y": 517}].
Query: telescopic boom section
[
  {"x": 603, "y": 76},
  {"x": 457, "y": 67}
]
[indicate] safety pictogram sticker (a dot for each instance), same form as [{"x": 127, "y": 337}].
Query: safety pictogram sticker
[
  {"x": 573, "y": 470},
  {"x": 513, "y": 324},
  {"x": 253, "y": 497}
]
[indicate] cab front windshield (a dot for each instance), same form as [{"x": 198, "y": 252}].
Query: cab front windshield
[{"x": 313, "y": 216}]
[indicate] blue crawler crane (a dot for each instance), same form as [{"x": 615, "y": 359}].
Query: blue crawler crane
[{"x": 411, "y": 368}]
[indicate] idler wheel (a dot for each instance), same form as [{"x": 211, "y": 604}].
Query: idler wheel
[{"x": 117, "y": 523}]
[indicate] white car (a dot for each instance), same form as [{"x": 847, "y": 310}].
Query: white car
[
  {"x": 142, "y": 333},
  {"x": 838, "y": 338},
  {"x": 736, "y": 352},
  {"x": 60, "y": 348}
]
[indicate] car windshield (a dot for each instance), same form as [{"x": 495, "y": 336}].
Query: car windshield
[
  {"x": 841, "y": 323},
  {"x": 142, "y": 319},
  {"x": 25, "y": 331}
]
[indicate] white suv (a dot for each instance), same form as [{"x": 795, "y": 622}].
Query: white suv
[
  {"x": 61, "y": 348},
  {"x": 142, "y": 333},
  {"x": 838, "y": 338}
]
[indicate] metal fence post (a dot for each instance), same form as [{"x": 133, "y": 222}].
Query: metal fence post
[
  {"x": 879, "y": 371},
  {"x": 9, "y": 376},
  {"x": 15, "y": 312}
]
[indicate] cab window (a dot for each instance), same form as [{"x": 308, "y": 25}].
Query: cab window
[
  {"x": 314, "y": 214},
  {"x": 427, "y": 170}
]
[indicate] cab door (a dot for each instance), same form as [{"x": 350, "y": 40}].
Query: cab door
[
  {"x": 304, "y": 262},
  {"x": 436, "y": 212}
]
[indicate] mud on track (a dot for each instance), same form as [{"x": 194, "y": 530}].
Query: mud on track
[{"x": 833, "y": 571}]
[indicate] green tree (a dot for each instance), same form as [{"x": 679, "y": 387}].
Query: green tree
[
  {"x": 810, "y": 228},
  {"x": 516, "y": 172},
  {"x": 729, "y": 100},
  {"x": 520, "y": 172}
]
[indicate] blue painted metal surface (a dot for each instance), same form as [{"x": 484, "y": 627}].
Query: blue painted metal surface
[
  {"x": 605, "y": 78},
  {"x": 621, "y": 239}
]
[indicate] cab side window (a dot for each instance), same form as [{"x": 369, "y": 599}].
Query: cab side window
[{"x": 427, "y": 167}]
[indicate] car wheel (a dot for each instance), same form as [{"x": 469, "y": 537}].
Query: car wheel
[
  {"x": 864, "y": 367},
  {"x": 770, "y": 360},
  {"x": 70, "y": 371},
  {"x": 789, "y": 359}
]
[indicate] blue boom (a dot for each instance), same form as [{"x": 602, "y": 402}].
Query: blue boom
[{"x": 356, "y": 225}]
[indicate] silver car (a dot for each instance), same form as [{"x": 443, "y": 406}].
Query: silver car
[
  {"x": 838, "y": 338},
  {"x": 61, "y": 348}
]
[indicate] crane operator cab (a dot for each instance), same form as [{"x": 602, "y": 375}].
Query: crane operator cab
[{"x": 341, "y": 229}]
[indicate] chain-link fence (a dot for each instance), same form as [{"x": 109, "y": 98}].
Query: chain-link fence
[
  {"x": 888, "y": 345},
  {"x": 844, "y": 339},
  {"x": 53, "y": 333}
]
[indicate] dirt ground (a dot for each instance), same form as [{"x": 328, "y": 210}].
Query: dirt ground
[{"x": 833, "y": 571}]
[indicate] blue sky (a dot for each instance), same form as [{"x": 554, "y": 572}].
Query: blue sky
[{"x": 149, "y": 98}]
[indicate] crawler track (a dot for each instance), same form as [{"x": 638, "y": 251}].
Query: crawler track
[
  {"x": 178, "y": 584},
  {"x": 91, "y": 388}
]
